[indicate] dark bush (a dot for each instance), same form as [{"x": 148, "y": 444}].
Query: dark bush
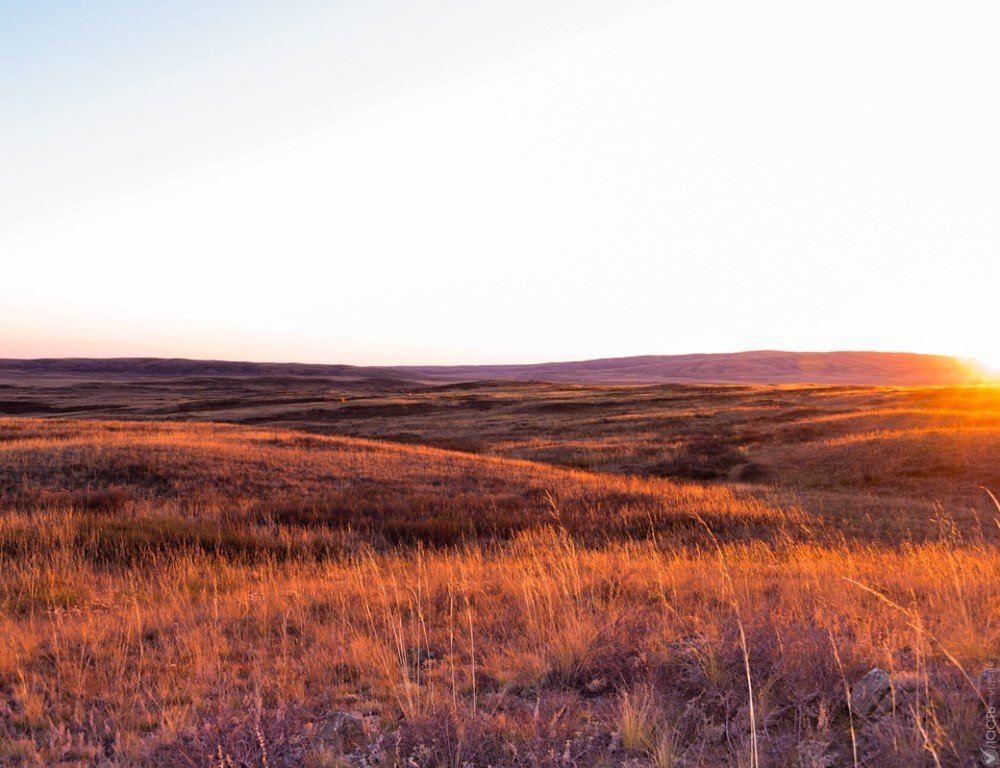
[
  {"x": 708, "y": 459},
  {"x": 754, "y": 472}
]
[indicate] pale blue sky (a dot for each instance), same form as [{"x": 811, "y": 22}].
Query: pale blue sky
[{"x": 445, "y": 181}]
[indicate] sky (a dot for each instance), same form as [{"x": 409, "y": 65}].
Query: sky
[{"x": 446, "y": 181}]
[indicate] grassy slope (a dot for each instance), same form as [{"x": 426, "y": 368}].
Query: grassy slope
[
  {"x": 386, "y": 493},
  {"x": 175, "y": 592}
]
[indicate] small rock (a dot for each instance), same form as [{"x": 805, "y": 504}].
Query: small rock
[
  {"x": 343, "y": 728},
  {"x": 486, "y": 683},
  {"x": 869, "y": 692},
  {"x": 685, "y": 644},
  {"x": 599, "y": 686},
  {"x": 878, "y": 692},
  {"x": 814, "y": 754},
  {"x": 420, "y": 657}
]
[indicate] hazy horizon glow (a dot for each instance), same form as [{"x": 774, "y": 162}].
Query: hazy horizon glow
[{"x": 448, "y": 182}]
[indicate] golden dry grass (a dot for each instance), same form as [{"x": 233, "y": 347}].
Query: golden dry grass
[
  {"x": 198, "y": 474},
  {"x": 194, "y": 594}
]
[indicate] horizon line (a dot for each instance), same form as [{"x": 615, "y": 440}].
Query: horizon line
[{"x": 966, "y": 359}]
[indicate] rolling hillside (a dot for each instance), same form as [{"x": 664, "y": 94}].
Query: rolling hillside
[
  {"x": 763, "y": 367},
  {"x": 760, "y": 367}
]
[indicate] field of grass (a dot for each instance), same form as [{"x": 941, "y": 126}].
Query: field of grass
[{"x": 497, "y": 574}]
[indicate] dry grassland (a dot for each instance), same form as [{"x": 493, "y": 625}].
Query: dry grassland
[{"x": 187, "y": 594}]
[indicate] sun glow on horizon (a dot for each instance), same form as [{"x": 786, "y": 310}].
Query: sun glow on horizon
[{"x": 989, "y": 364}]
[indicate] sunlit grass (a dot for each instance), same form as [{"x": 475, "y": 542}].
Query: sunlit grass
[{"x": 157, "y": 608}]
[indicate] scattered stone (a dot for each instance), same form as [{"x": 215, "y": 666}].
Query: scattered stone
[
  {"x": 685, "y": 644},
  {"x": 877, "y": 693},
  {"x": 486, "y": 683},
  {"x": 813, "y": 753},
  {"x": 615, "y": 743},
  {"x": 420, "y": 657},
  {"x": 599, "y": 686},
  {"x": 344, "y": 729},
  {"x": 869, "y": 692}
]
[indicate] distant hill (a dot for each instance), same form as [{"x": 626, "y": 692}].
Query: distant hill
[
  {"x": 760, "y": 367},
  {"x": 148, "y": 368}
]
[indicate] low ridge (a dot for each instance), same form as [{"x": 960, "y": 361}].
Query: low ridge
[{"x": 757, "y": 367}]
